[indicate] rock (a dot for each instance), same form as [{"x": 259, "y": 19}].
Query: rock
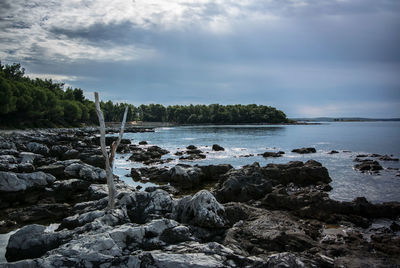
[
  {"x": 145, "y": 206},
  {"x": 243, "y": 185},
  {"x": 142, "y": 142},
  {"x": 70, "y": 154},
  {"x": 272, "y": 154},
  {"x": 299, "y": 173},
  {"x": 201, "y": 210},
  {"x": 191, "y": 147},
  {"x": 56, "y": 170},
  {"x": 96, "y": 160},
  {"x": 13, "y": 182},
  {"x": 213, "y": 172},
  {"x": 28, "y": 157},
  {"x": 38, "y": 148},
  {"x": 85, "y": 172},
  {"x": 304, "y": 150},
  {"x": 368, "y": 165},
  {"x": 58, "y": 150},
  {"x": 284, "y": 259},
  {"x": 185, "y": 177},
  {"x": 135, "y": 175},
  {"x": 388, "y": 158},
  {"x": 32, "y": 241},
  {"x": 7, "y": 145},
  {"x": 194, "y": 151},
  {"x": 333, "y": 152},
  {"x": 192, "y": 157},
  {"x": 217, "y": 147},
  {"x": 175, "y": 235},
  {"x": 153, "y": 152}
]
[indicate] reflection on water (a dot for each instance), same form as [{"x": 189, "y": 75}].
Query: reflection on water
[{"x": 251, "y": 140}]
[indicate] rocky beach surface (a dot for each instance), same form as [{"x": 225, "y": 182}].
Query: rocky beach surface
[{"x": 53, "y": 193}]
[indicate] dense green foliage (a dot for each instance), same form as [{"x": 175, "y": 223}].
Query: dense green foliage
[{"x": 26, "y": 102}]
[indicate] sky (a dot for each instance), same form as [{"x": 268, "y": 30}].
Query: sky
[{"x": 308, "y": 58}]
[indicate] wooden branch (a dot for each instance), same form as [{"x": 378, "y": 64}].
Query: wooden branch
[
  {"x": 116, "y": 143},
  {"x": 109, "y": 173}
]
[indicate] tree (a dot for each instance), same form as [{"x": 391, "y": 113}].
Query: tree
[{"x": 112, "y": 192}]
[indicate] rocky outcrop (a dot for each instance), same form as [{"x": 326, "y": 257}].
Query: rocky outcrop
[
  {"x": 273, "y": 154},
  {"x": 14, "y": 182},
  {"x": 368, "y": 165},
  {"x": 254, "y": 182}
]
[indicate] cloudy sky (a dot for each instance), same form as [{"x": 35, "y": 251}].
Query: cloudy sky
[{"x": 306, "y": 57}]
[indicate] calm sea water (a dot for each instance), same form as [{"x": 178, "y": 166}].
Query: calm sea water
[{"x": 356, "y": 137}]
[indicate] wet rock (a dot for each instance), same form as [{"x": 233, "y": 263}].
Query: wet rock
[
  {"x": 333, "y": 152},
  {"x": 191, "y": 147},
  {"x": 192, "y": 157},
  {"x": 38, "y": 148},
  {"x": 217, "y": 147},
  {"x": 201, "y": 210},
  {"x": 305, "y": 150},
  {"x": 135, "y": 174},
  {"x": 142, "y": 142}
]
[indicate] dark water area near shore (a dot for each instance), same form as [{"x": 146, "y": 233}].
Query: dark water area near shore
[{"x": 243, "y": 143}]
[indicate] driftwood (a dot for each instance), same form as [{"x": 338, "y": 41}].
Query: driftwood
[{"x": 109, "y": 158}]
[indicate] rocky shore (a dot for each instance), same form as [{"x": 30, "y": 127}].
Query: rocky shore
[{"x": 278, "y": 215}]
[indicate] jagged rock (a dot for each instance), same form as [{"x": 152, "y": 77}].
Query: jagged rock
[
  {"x": 32, "y": 241},
  {"x": 217, "y": 147},
  {"x": 38, "y": 148},
  {"x": 201, "y": 210},
  {"x": 304, "y": 150}
]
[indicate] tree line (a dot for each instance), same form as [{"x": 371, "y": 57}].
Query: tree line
[{"x": 26, "y": 102}]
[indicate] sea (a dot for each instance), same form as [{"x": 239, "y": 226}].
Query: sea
[{"x": 244, "y": 143}]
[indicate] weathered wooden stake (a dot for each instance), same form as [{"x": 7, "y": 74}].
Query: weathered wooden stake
[{"x": 112, "y": 192}]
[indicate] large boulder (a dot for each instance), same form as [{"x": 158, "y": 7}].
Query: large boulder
[{"x": 202, "y": 210}]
